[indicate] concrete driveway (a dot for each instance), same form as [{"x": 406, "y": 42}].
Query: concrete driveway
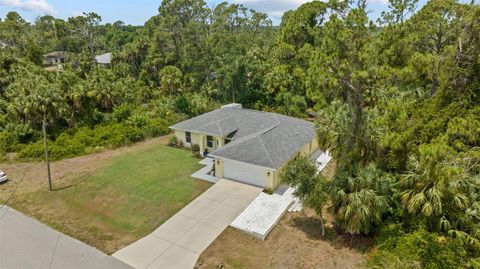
[
  {"x": 26, "y": 243},
  {"x": 180, "y": 240}
]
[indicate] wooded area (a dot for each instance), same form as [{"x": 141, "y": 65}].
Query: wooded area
[{"x": 396, "y": 101}]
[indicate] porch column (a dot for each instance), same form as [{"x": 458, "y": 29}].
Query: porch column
[
  {"x": 220, "y": 142},
  {"x": 201, "y": 142}
]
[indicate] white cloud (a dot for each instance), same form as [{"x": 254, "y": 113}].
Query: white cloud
[
  {"x": 276, "y": 8},
  {"x": 30, "y": 5},
  {"x": 78, "y": 13}
]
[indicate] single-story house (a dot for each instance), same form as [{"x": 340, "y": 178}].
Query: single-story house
[
  {"x": 3, "y": 45},
  {"x": 55, "y": 58},
  {"x": 104, "y": 59},
  {"x": 248, "y": 146}
]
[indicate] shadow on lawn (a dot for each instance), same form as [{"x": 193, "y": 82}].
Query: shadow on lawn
[
  {"x": 71, "y": 185},
  {"x": 65, "y": 187},
  {"x": 312, "y": 228}
]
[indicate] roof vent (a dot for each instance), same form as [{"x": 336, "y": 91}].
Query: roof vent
[{"x": 233, "y": 105}]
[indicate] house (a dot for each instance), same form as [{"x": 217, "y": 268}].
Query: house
[
  {"x": 55, "y": 58},
  {"x": 3, "y": 45},
  {"x": 249, "y": 146},
  {"x": 104, "y": 59}
]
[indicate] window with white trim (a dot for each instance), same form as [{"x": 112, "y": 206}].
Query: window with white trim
[
  {"x": 188, "y": 137},
  {"x": 209, "y": 141}
]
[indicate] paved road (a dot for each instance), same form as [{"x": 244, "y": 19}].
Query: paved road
[
  {"x": 178, "y": 242},
  {"x": 26, "y": 243}
]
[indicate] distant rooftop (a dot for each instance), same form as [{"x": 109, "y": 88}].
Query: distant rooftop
[
  {"x": 104, "y": 58},
  {"x": 261, "y": 138},
  {"x": 55, "y": 54}
]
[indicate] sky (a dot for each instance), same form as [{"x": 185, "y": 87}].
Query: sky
[{"x": 137, "y": 12}]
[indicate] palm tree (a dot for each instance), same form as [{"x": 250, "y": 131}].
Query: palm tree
[
  {"x": 359, "y": 200},
  {"x": 442, "y": 191},
  {"x": 35, "y": 99},
  {"x": 32, "y": 97}
]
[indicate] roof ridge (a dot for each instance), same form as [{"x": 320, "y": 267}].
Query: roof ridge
[
  {"x": 246, "y": 138},
  {"x": 265, "y": 150},
  {"x": 219, "y": 127}
]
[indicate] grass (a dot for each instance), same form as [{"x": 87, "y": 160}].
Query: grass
[{"x": 121, "y": 201}]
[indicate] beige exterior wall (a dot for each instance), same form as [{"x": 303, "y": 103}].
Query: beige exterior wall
[
  {"x": 219, "y": 168},
  {"x": 271, "y": 180},
  {"x": 180, "y": 135},
  {"x": 200, "y": 140},
  {"x": 272, "y": 177}
]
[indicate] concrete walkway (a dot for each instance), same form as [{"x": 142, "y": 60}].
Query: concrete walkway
[
  {"x": 178, "y": 242},
  {"x": 26, "y": 243},
  {"x": 203, "y": 173}
]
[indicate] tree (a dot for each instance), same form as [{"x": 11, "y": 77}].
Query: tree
[
  {"x": 359, "y": 200},
  {"x": 399, "y": 11},
  {"x": 87, "y": 29},
  {"x": 443, "y": 191},
  {"x": 170, "y": 80},
  {"x": 13, "y": 29},
  {"x": 310, "y": 186},
  {"x": 32, "y": 98}
]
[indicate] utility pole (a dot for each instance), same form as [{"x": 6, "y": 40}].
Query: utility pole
[{"x": 44, "y": 128}]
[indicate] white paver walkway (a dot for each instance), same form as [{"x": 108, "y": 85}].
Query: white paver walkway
[
  {"x": 322, "y": 159},
  {"x": 179, "y": 241},
  {"x": 259, "y": 218}
]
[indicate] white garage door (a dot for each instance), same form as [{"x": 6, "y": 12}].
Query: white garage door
[{"x": 244, "y": 172}]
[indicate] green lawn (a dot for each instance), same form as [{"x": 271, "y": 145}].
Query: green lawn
[{"x": 120, "y": 202}]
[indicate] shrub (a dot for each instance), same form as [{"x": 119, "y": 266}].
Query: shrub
[
  {"x": 138, "y": 120},
  {"x": 3, "y": 143},
  {"x": 418, "y": 249},
  {"x": 133, "y": 135},
  {"x": 122, "y": 112},
  {"x": 32, "y": 151},
  {"x": 157, "y": 127},
  {"x": 173, "y": 141},
  {"x": 182, "y": 105},
  {"x": 196, "y": 150},
  {"x": 85, "y": 140}
]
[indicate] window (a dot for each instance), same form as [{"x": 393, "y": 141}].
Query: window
[
  {"x": 188, "y": 137},
  {"x": 209, "y": 141},
  {"x": 229, "y": 137}
]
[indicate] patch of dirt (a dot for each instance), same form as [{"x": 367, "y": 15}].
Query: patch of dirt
[
  {"x": 295, "y": 242},
  {"x": 25, "y": 177}
]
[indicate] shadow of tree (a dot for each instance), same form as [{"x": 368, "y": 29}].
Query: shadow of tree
[
  {"x": 72, "y": 184},
  {"x": 311, "y": 226}
]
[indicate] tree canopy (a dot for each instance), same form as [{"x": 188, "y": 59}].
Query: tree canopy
[{"x": 395, "y": 101}]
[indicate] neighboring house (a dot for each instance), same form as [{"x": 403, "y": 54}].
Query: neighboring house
[
  {"x": 3, "y": 45},
  {"x": 248, "y": 145},
  {"x": 55, "y": 58},
  {"x": 104, "y": 59}
]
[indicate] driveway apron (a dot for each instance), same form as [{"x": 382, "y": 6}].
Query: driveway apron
[{"x": 178, "y": 242}]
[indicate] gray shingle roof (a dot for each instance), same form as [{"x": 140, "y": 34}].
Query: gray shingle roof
[
  {"x": 55, "y": 54},
  {"x": 261, "y": 138},
  {"x": 104, "y": 58}
]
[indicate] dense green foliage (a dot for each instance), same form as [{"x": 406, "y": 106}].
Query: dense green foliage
[
  {"x": 310, "y": 186},
  {"x": 396, "y": 102},
  {"x": 398, "y": 108}
]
